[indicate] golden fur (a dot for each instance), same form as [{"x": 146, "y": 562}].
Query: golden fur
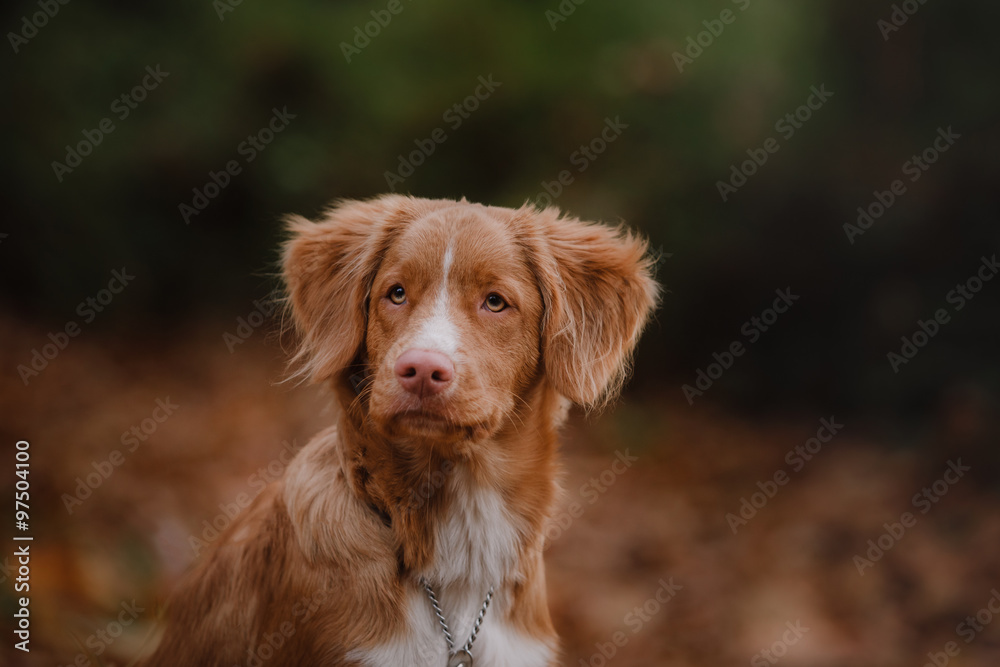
[{"x": 328, "y": 559}]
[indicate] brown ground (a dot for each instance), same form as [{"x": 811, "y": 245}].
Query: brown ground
[{"x": 661, "y": 520}]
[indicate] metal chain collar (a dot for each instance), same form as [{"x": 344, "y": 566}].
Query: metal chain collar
[{"x": 467, "y": 648}]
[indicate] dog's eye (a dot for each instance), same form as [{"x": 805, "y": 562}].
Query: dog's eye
[
  {"x": 495, "y": 303},
  {"x": 397, "y": 294}
]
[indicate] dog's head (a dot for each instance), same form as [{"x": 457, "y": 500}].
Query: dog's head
[{"x": 436, "y": 317}]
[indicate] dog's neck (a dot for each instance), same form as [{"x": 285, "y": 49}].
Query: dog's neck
[{"x": 472, "y": 519}]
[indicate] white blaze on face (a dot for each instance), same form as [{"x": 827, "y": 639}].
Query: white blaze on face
[{"x": 437, "y": 331}]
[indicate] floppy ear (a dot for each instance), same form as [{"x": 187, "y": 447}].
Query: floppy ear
[
  {"x": 328, "y": 267},
  {"x": 598, "y": 288}
]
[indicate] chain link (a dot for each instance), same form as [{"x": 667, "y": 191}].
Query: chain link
[
  {"x": 479, "y": 620},
  {"x": 444, "y": 624}
]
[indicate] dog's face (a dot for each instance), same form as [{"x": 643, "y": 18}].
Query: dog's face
[
  {"x": 452, "y": 311},
  {"x": 454, "y": 321}
]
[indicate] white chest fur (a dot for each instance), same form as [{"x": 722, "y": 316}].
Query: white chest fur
[
  {"x": 477, "y": 542},
  {"x": 476, "y": 547},
  {"x": 423, "y": 643}
]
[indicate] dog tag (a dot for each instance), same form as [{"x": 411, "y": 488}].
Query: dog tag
[{"x": 461, "y": 659}]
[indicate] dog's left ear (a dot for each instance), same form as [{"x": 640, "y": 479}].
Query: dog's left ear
[{"x": 598, "y": 288}]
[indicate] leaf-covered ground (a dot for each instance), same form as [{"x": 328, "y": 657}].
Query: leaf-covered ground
[{"x": 644, "y": 566}]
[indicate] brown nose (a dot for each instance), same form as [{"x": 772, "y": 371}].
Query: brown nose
[{"x": 424, "y": 372}]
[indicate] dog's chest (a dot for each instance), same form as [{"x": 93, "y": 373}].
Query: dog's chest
[
  {"x": 476, "y": 540},
  {"x": 422, "y": 642},
  {"x": 476, "y": 547}
]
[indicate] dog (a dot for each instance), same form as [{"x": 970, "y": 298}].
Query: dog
[{"x": 455, "y": 337}]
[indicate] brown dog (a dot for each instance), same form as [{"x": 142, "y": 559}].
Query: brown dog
[{"x": 455, "y": 336}]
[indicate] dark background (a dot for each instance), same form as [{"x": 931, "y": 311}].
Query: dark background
[{"x": 721, "y": 262}]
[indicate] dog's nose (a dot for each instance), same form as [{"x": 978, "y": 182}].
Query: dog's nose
[{"x": 424, "y": 372}]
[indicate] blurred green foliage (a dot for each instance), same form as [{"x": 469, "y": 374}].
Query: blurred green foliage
[{"x": 558, "y": 85}]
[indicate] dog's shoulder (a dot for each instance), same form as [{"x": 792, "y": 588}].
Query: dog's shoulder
[
  {"x": 215, "y": 613},
  {"x": 308, "y": 557},
  {"x": 333, "y": 527}
]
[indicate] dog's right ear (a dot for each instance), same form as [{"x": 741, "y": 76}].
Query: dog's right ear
[{"x": 328, "y": 268}]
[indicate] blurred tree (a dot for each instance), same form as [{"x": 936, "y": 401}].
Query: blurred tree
[{"x": 695, "y": 88}]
